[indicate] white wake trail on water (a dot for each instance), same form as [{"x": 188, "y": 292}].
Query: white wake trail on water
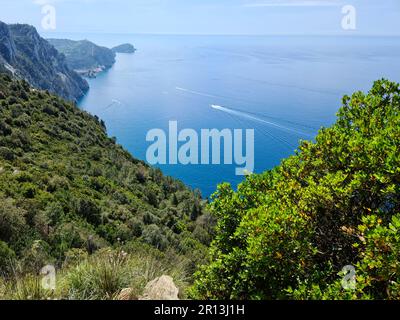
[
  {"x": 254, "y": 118},
  {"x": 196, "y": 92},
  {"x": 242, "y": 114},
  {"x": 114, "y": 102}
]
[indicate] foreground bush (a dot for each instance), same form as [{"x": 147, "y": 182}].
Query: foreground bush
[{"x": 289, "y": 232}]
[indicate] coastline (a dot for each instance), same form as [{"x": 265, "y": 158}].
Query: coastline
[{"x": 92, "y": 73}]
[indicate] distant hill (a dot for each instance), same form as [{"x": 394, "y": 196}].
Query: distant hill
[
  {"x": 124, "y": 48},
  {"x": 85, "y": 57},
  {"x": 24, "y": 54}
]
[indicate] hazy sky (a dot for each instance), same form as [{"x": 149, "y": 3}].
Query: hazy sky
[{"x": 378, "y": 17}]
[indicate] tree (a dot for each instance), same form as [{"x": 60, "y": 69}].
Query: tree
[
  {"x": 7, "y": 255},
  {"x": 12, "y": 221}
]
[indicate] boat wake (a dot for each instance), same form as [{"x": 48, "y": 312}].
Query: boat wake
[
  {"x": 252, "y": 117},
  {"x": 114, "y": 102},
  {"x": 196, "y": 92}
]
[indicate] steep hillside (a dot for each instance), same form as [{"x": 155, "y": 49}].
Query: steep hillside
[
  {"x": 84, "y": 56},
  {"x": 26, "y": 55},
  {"x": 64, "y": 185}
]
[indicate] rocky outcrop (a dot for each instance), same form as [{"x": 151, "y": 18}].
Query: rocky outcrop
[
  {"x": 7, "y": 47},
  {"x": 124, "y": 48},
  {"x": 162, "y": 288},
  {"x": 127, "y": 294},
  {"x": 26, "y": 55}
]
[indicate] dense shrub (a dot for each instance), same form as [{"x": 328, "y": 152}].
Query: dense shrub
[
  {"x": 7, "y": 256},
  {"x": 12, "y": 221},
  {"x": 152, "y": 235},
  {"x": 36, "y": 257},
  {"x": 289, "y": 232},
  {"x": 7, "y": 153}
]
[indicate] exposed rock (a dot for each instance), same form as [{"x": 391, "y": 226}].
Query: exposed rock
[
  {"x": 26, "y": 55},
  {"x": 162, "y": 288},
  {"x": 127, "y": 294},
  {"x": 7, "y": 46}
]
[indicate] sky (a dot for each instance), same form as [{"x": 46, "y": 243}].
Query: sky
[{"x": 253, "y": 17}]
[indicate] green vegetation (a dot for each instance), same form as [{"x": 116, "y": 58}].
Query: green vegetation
[
  {"x": 84, "y": 56},
  {"x": 289, "y": 232},
  {"x": 102, "y": 275},
  {"x": 70, "y": 196}
]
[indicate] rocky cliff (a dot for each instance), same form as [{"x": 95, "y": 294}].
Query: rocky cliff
[{"x": 26, "y": 55}]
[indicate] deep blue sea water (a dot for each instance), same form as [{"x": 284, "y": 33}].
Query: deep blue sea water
[{"x": 294, "y": 82}]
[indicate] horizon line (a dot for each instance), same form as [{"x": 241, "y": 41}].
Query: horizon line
[{"x": 343, "y": 34}]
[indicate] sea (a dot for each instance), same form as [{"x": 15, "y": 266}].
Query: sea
[{"x": 285, "y": 88}]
